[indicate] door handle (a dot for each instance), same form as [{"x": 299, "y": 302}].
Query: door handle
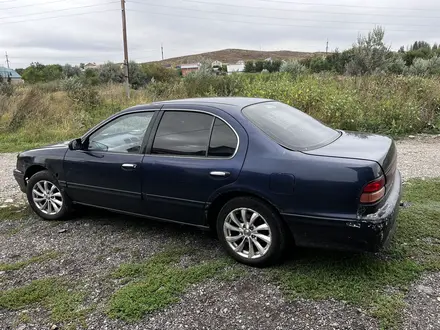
[
  {"x": 128, "y": 166},
  {"x": 219, "y": 173}
]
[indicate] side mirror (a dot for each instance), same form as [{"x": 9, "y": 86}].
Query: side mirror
[{"x": 75, "y": 144}]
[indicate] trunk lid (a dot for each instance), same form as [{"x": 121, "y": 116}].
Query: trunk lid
[{"x": 380, "y": 149}]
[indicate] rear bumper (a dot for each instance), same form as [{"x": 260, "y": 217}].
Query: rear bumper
[
  {"x": 368, "y": 233},
  {"x": 19, "y": 177}
]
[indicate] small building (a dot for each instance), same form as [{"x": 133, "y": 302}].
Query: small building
[
  {"x": 6, "y": 73},
  {"x": 237, "y": 67},
  {"x": 91, "y": 66},
  {"x": 188, "y": 68},
  {"x": 216, "y": 64}
]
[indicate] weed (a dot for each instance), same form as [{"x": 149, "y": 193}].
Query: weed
[
  {"x": 34, "y": 116},
  {"x": 157, "y": 283},
  {"x": 64, "y": 304},
  {"x": 21, "y": 264},
  {"x": 15, "y": 212}
]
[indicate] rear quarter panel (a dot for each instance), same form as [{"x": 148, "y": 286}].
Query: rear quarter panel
[{"x": 321, "y": 186}]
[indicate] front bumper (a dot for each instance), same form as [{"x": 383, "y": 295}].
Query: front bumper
[
  {"x": 367, "y": 233},
  {"x": 19, "y": 177}
]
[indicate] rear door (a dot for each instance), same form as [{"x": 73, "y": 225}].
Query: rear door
[
  {"x": 107, "y": 173},
  {"x": 193, "y": 154}
]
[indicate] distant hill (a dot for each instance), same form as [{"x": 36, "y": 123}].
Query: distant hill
[{"x": 234, "y": 55}]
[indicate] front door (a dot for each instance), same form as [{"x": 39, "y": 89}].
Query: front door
[
  {"x": 107, "y": 173},
  {"x": 193, "y": 154}
]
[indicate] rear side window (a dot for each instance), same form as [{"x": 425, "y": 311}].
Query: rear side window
[
  {"x": 223, "y": 140},
  {"x": 183, "y": 133},
  {"x": 290, "y": 127}
]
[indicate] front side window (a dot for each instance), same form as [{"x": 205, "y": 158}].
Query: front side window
[
  {"x": 289, "y": 127},
  {"x": 223, "y": 140},
  {"x": 183, "y": 133},
  {"x": 124, "y": 134}
]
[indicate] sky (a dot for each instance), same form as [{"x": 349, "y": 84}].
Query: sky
[{"x": 82, "y": 31}]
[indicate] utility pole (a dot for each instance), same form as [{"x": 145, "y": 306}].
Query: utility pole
[
  {"x": 124, "y": 35},
  {"x": 326, "y": 47},
  {"x": 7, "y": 59},
  {"x": 161, "y": 49}
]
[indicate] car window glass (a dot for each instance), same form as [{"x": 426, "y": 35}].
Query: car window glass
[
  {"x": 223, "y": 140},
  {"x": 290, "y": 127},
  {"x": 183, "y": 133},
  {"x": 124, "y": 134}
]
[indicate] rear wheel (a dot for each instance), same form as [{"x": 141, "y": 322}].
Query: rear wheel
[
  {"x": 46, "y": 197},
  {"x": 251, "y": 231}
]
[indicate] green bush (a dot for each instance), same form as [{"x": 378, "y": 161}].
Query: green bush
[{"x": 295, "y": 68}]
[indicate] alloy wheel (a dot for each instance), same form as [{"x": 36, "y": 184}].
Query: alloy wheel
[
  {"x": 47, "y": 197},
  {"x": 247, "y": 233}
]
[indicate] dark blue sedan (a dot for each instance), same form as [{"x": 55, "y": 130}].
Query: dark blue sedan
[{"x": 258, "y": 172}]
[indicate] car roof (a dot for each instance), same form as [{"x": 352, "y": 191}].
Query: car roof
[{"x": 228, "y": 104}]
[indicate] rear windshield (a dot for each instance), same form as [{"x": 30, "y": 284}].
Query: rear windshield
[{"x": 289, "y": 127}]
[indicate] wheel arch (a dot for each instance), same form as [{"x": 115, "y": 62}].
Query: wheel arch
[
  {"x": 220, "y": 200},
  {"x": 33, "y": 169}
]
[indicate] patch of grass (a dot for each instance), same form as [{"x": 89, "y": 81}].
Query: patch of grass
[
  {"x": 24, "y": 318},
  {"x": 64, "y": 304},
  {"x": 362, "y": 279},
  {"x": 157, "y": 283},
  {"x": 387, "y": 309},
  {"x": 15, "y": 212},
  {"x": 21, "y": 264}
]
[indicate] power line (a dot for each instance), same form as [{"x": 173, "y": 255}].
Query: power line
[
  {"x": 269, "y": 24},
  {"x": 51, "y": 17},
  {"x": 58, "y": 10},
  {"x": 351, "y": 6},
  {"x": 303, "y": 10},
  {"x": 273, "y": 17},
  {"x": 33, "y": 5}
]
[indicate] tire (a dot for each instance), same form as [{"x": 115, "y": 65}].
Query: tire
[
  {"x": 46, "y": 197},
  {"x": 262, "y": 252}
]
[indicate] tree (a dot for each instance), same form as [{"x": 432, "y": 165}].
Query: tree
[
  {"x": 370, "y": 54},
  {"x": 110, "y": 72},
  {"x": 294, "y": 67},
  {"x": 420, "y": 45},
  {"x": 338, "y": 61},
  {"x": 259, "y": 66},
  {"x": 159, "y": 72},
  {"x": 276, "y": 65},
  {"x": 71, "y": 71},
  {"x": 34, "y": 73},
  {"x": 249, "y": 66},
  {"x": 318, "y": 64},
  {"x": 137, "y": 77},
  {"x": 19, "y": 71},
  {"x": 91, "y": 77}
]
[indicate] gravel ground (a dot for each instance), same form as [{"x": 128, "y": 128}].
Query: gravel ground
[
  {"x": 9, "y": 191},
  {"x": 94, "y": 244}
]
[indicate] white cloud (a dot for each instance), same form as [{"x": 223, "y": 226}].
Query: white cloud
[{"x": 31, "y": 33}]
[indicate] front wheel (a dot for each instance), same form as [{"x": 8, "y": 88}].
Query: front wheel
[
  {"x": 251, "y": 232},
  {"x": 46, "y": 197}
]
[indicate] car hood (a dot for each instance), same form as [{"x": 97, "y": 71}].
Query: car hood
[
  {"x": 56, "y": 146},
  {"x": 64, "y": 144}
]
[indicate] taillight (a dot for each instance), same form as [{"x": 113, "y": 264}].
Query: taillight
[{"x": 373, "y": 191}]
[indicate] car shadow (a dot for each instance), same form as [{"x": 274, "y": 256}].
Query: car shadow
[{"x": 180, "y": 232}]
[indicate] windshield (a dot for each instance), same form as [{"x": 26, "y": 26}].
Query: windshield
[{"x": 289, "y": 127}]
